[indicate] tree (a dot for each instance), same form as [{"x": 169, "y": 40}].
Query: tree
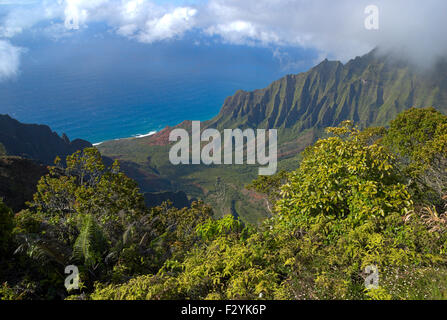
[
  {"x": 270, "y": 186},
  {"x": 86, "y": 211},
  {"x": 86, "y": 186},
  {"x": 419, "y": 139},
  {"x": 343, "y": 177},
  {"x": 95, "y": 218},
  {"x": 345, "y": 209}
]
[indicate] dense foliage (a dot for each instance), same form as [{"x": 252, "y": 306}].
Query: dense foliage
[{"x": 360, "y": 200}]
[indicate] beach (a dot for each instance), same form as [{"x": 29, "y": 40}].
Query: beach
[{"x": 137, "y": 136}]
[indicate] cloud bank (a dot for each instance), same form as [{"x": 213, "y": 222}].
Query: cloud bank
[
  {"x": 335, "y": 29},
  {"x": 9, "y": 60}
]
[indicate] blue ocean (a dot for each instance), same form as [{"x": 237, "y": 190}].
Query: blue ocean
[{"x": 104, "y": 87}]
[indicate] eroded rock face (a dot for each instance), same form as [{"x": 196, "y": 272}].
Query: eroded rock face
[{"x": 18, "y": 181}]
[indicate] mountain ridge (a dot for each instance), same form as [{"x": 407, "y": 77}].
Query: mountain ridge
[
  {"x": 370, "y": 89},
  {"x": 35, "y": 141}
]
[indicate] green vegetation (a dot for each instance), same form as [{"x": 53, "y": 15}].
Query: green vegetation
[
  {"x": 93, "y": 217},
  {"x": 358, "y": 198}
]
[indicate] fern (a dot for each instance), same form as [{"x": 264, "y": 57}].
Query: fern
[{"x": 90, "y": 244}]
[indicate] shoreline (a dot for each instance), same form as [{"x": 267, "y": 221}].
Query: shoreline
[{"x": 137, "y": 136}]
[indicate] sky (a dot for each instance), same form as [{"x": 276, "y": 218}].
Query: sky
[{"x": 331, "y": 29}]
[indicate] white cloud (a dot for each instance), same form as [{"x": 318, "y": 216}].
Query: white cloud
[
  {"x": 9, "y": 60},
  {"x": 25, "y": 17},
  {"x": 169, "y": 25},
  {"x": 415, "y": 29},
  {"x": 332, "y": 27},
  {"x": 242, "y": 32},
  {"x": 78, "y": 12},
  {"x": 140, "y": 19},
  {"x": 335, "y": 29}
]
